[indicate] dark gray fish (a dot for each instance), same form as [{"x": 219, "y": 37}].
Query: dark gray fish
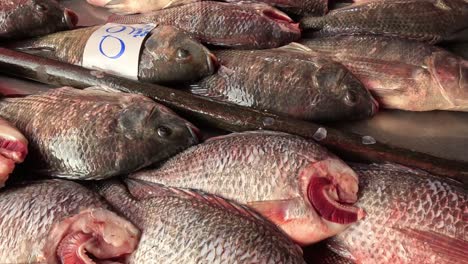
[
  {"x": 223, "y": 24},
  {"x": 401, "y": 74},
  {"x": 13, "y": 149},
  {"x": 168, "y": 55},
  {"x": 30, "y": 18},
  {"x": 289, "y": 83},
  {"x": 295, "y": 183},
  {"x": 187, "y": 226},
  {"x": 296, "y": 7},
  {"x": 59, "y": 221},
  {"x": 410, "y": 19},
  {"x": 413, "y": 217},
  {"x": 95, "y": 134}
]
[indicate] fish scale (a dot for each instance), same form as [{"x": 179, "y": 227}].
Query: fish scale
[
  {"x": 408, "y": 213},
  {"x": 187, "y": 226},
  {"x": 71, "y": 148}
]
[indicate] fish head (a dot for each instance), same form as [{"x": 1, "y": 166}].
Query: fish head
[
  {"x": 177, "y": 57},
  {"x": 42, "y": 17},
  {"x": 95, "y": 232},
  {"x": 158, "y": 132},
  {"x": 328, "y": 187},
  {"x": 342, "y": 92}
]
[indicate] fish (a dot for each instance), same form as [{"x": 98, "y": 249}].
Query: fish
[
  {"x": 168, "y": 55},
  {"x": 413, "y": 217},
  {"x": 249, "y": 25},
  {"x": 295, "y": 183},
  {"x": 190, "y": 226},
  {"x": 13, "y": 149},
  {"x": 409, "y": 19},
  {"x": 289, "y": 83},
  {"x": 127, "y": 7},
  {"x": 296, "y": 7},
  {"x": 59, "y": 221},
  {"x": 30, "y": 18},
  {"x": 95, "y": 133},
  {"x": 401, "y": 74}
]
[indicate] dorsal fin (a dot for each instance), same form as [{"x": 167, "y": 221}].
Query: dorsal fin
[
  {"x": 253, "y": 132},
  {"x": 145, "y": 190}
]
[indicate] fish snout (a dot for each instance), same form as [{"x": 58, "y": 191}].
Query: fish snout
[
  {"x": 195, "y": 132},
  {"x": 70, "y": 18}
]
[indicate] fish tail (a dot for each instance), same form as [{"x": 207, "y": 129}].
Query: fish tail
[{"x": 312, "y": 23}]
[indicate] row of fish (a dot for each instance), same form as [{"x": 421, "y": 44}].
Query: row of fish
[{"x": 249, "y": 197}]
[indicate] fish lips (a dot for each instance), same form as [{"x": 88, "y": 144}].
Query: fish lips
[{"x": 70, "y": 18}]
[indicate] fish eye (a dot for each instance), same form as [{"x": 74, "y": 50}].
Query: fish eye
[
  {"x": 183, "y": 54},
  {"x": 350, "y": 98},
  {"x": 164, "y": 131},
  {"x": 41, "y": 7}
]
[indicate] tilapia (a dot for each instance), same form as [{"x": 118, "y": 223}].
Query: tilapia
[
  {"x": 288, "y": 83},
  {"x": 250, "y": 25},
  {"x": 29, "y": 18},
  {"x": 168, "y": 55},
  {"x": 126, "y": 7},
  {"x": 58, "y": 221},
  {"x": 187, "y": 226},
  {"x": 293, "y": 182},
  {"x": 95, "y": 134},
  {"x": 409, "y": 19},
  {"x": 296, "y": 7},
  {"x": 401, "y": 74},
  {"x": 413, "y": 217},
  {"x": 13, "y": 149}
]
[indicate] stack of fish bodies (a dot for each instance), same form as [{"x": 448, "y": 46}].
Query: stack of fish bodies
[{"x": 250, "y": 197}]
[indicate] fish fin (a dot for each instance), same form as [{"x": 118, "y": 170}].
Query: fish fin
[
  {"x": 275, "y": 210},
  {"x": 294, "y": 46},
  {"x": 451, "y": 249},
  {"x": 145, "y": 190},
  {"x": 336, "y": 246},
  {"x": 255, "y": 132},
  {"x": 198, "y": 89},
  {"x": 102, "y": 89}
]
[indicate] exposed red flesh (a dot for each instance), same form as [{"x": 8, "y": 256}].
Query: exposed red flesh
[
  {"x": 319, "y": 193},
  {"x": 71, "y": 17},
  {"x": 71, "y": 250},
  {"x": 15, "y": 150},
  {"x": 277, "y": 16}
]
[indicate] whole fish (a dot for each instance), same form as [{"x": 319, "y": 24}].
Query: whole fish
[
  {"x": 410, "y": 19},
  {"x": 187, "y": 226},
  {"x": 167, "y": 56},
  {"x": 95, "y": 134},
  {"x": 57, "y": 221},
  {"x": 29, "y": 18},
  {"x": 232, "y": 25},
  {"x": 413, "y": 217},
  {"x": 125, "y": 7},
  {"x": 293, "y": 182},
  {"x": 401, "y": 74},
  {"x": 294, "y": 84},
  {"x": 296, "y": 7},
  {"x": 13, "y": 149}
]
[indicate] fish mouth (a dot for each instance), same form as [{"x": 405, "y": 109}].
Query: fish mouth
[
  {"x": 70, "y": 17},
  {"x": 212, "y": 62},
  {"x": 195, "y": 132}
]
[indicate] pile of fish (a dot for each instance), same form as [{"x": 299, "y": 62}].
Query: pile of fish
[{"x": 96, "y": 175}]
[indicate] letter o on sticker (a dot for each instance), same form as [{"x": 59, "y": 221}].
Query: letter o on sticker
[
  {"x": 111, "y": 47},
  {"x": 115, "y": 29}
]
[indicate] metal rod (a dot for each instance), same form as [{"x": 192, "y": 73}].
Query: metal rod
[{"x": 226, "y": 116}]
